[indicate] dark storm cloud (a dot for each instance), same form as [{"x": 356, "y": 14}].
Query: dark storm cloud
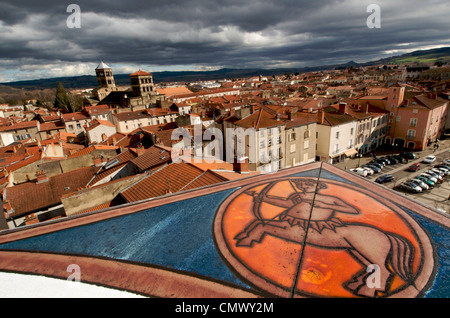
[{"x": 228, "y": 33}]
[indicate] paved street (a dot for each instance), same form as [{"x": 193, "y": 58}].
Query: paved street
[{"x": 436, "y": 197}]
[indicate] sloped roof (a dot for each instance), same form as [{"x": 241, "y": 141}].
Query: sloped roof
[
  {"x": 102, "y": 66},
  {"x": 140, "y": 73},
  {"x": 46, "y": 194},
  {"x": 259, "y": 119},
  {"x": 169, "y": 179},
  {"x": 89, "y": 149},
  {"x": 152, "y": 157}
]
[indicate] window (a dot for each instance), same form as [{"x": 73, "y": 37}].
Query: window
[
  {"x": 413, "y": 122},
  {"x": 397, "y": 119},
  {"x": 78, "y": 126},
  {"x": 292, "y": 148},
  {"x": 262, "y": 144},
  {"x": 306, "y": 144},
  {"x": 306, "y": 134},
  {"x": 351, "y": 131},
  {"x": 411, "y": 134},
  {"x": 291, "y": 136},
  {"x": 70, "y": 127},
  {"x": 415, "y": 111},
  {"x": 337, "y": 134},
  {"x": 305, "y": 157},
  {"x": 336, "y": 148}
]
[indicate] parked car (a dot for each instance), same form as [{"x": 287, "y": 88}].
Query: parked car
[
  {"x": 400, "y": 159},
  {"x": 374, "y": 168},
  {"x": 410, "y": 187},
  {"x": 392, "y": 160},
  {"x": 420, "y": 183},
  {"x": 429, "y": 159},
  {"x": 444, "y": 168},
  {"x": 385, "y": 178},
  {"x": 360, "y": 171},
  {"x": 430, "y": 183},
  {"x": 436, "y": 175},
  {"x": 430, "y": 177},
  {"x": 408, "y": 155},
  {"x": 378, "y": 164},
  {"x": 446, "y": 162},
  {"x": 384, "y": 161},
  {"x": 414, "y": 167},
  {"x": 438, "y": 171},
  {"x": 369, "y": 171}
]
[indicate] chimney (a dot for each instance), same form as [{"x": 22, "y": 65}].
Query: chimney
[
  {"x": 343, "y": 108},
  {"x": 320, "y": 116},
  {"x": 241, "y": 165},
  {"x": 291, "y": 116},
  {"x": 41, "y": 177}
]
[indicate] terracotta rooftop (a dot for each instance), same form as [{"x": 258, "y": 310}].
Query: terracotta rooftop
[
  {"x": 75, "y": 116},
  {"x": 20, "y": 125},
  {"x": 169, "y": 179},
  {"x": 426, "y": 101},
  {"x": 97, "y": 123},
  {"x": 97, "y": 110},
  {"x": 259, "y": 119},
  {"x": 140, "y": 73},
  {"x": 52, "y": 126},
  {"x": 152, "y": 157},
  {"x": 46, "y": 194},
  {"x": 89, "y": 149},
  {"x": 174, "y": 91}
]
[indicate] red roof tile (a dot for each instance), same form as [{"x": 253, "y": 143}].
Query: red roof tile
[
  {"x": 152, "y": 157},
  {"x": 46, "y": 194},
  {"x": 140, "y": 73},
  {"x": 171, "y": 178},
  {"x": 89, "y": 149}
]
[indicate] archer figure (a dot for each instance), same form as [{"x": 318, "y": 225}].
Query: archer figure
[{"x": 309, "y": 218}]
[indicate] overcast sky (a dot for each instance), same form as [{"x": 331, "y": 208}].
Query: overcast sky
[{"x": 157, "y": 35}]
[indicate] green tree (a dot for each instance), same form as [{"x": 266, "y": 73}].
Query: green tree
[{"x": 61, "y": 98}]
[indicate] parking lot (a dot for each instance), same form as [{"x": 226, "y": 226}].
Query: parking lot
[{"x": 436, "y": 197}]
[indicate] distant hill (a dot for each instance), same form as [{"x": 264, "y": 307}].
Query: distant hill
[
  {"x": 89, "y": 81},
  {"x": 422, "y": 56}
]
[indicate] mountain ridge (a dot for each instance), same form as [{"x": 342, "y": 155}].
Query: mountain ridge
[{"x": 89, "y": 81}]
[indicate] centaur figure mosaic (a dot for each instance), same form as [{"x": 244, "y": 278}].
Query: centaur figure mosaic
[{"x": 309, "y": 218}]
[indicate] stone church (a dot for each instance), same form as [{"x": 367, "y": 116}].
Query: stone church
[{"x": 140, "y": 95}]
